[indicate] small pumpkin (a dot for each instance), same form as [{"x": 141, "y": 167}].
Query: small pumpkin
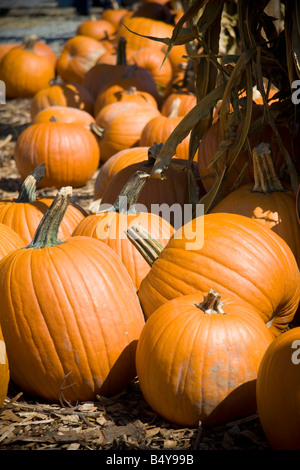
[
  {"x": 114, "y": 15},
  {"x": 78, "y": 56},
  {"x": 24, "y": 213},
  {"x": 62, "y": 94},
  {"x": 154, "y": 61},
  {"x": 267, "y": 201},
  {"x": 278, "y": 391},
  {"x": 198, "y": 356},
  {"x": 145, "y": 27},
  {"x": 123, "y": 123},
  {"x": 69, "y": 150},
  {"x": 70, "y": 333}
]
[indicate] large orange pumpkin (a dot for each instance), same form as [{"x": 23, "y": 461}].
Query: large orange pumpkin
[
  {"x": 197, "y": 359},
  {"x": 278, "y": 391},
  {"x": 97, "y": 28},
  {"x": 109, "y": 226},
  {"x": 64, "y": 114},
  {"x": 24, "y": 213},
  {"x": 234, "y": 255},
  {"x": 72, "y": 328},
  {"x": 69, "y": 151}
]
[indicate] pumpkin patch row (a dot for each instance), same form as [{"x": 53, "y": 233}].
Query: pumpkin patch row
[{"x": 202, "y": 311}]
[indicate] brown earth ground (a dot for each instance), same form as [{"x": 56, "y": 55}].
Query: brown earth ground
[{"x": 122, "y": 422}]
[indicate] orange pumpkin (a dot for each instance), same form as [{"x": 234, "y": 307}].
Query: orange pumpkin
[
  {"x": 78, "y": 56},
  {"x": 109, "y": 227},
  {"x": 97, "y": 28},
  {"x": 70, "y": 152},
  {"x": 197, "y": 359},
  {"x": 114, "y": 15},
  {"x": 5, "y": 47},
  {"x": 75, "y": 329},
  {"x": 24, "y": 213},
  {"x": 65, "y": 94},
  {"x": 278, "y": 391},
  {"x": 116, "y": 163},
  {"x": 266, "y": 201},
  {"x": 187, "y": 101},
  {"x": 154, "y": 61},
  {"x": 123, "y": 124},
  {"x": 25, "y": 72},
  {"x": 145, "y": 27},
  {"x": 234, "y": 255}
]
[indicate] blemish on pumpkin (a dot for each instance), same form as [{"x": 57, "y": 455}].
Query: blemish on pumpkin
[{"x": 2, "y": 352}]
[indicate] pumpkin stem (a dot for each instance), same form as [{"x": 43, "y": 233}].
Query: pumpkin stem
[
  {"x": 265, "y": 178},
  {"x": 146, "y": 245},
  {"x": 212, "y": 303},
  {"x": 121, "y": 51},
  {"x": 53, "y": 119},
  {"x": 174, "y": 108},
  {"x": 47, "y": 231},
  {"x": 131, "y": 90},
  {"x": 28, "y": 189},
  {"x": 130, "y": 192}
]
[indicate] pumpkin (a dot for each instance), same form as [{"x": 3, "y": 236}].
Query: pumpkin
[
  {"x": 187, "y": 101},
  {"x": 24, "y": 72},
  {"x": 123, "y": 123},
  {"x": 154, "y": 61},
  {"x": 5, "y": 47},
  {"x": 78, "y": 56},
  {"x": 69, "y": 151},
  {"x": 97, "y": 28},
  {"x": 72, "y": 330},
  {"x": 4, "y": 370},
  {"x": 242, "y": 169},
  {"x": 64, "y": 114},
  {"x": 170, "y": 194},
  {"x": 65, "y": 94},
  {"x": 232, "y": 254},
  {"x": 108, "y": 225},
  {"x": 198, "y": 356},
  {"x": 24, "y": 213},
  {"x": 116, "y": 94},
  {"x": 116, "y": 163},
  {"x": 9, "y": 240},
  {"x": 161, "y": 127},
  {"x": 267, "y": 201},
  {"x": 278, "y": 391},
  {"x": 145, "y": 27},
  {"x": 40, "y": 48}
]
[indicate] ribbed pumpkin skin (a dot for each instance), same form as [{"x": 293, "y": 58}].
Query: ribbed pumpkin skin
[
  {"x": 278, "y": 392},
  {"x": 194, "y": 366},
  {"x": 115, "y": 164},
  {"x": 9, "y": 240},
  {"x": 25, "y": 73},
  {"x": 69, "y": 315},
  {"x": 277, "y": 205},
  {"x": 239, "y": 257},
  {"x": 68, "y": 94},
  {"x": 69, "y": 151},
  {"x": 114, "y": 237},
  {"x": 4, "y": 370},
  {"x": 24, "y": 217},
  {"x": 64, "y": 114}
]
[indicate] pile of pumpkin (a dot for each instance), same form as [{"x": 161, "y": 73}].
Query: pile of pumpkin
[{"x": 204, "y": 311}]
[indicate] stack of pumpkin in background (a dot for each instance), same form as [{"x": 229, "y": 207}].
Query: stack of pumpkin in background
[{"x": 83, "y": 311}]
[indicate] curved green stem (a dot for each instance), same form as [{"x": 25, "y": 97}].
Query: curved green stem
[
  {"x": 147, "y": 246},
  {"x": 28, "y": 189}
]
